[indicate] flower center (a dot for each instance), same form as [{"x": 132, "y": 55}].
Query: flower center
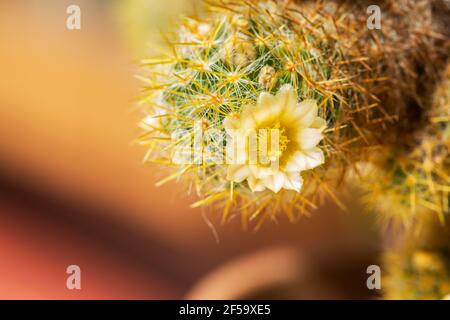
[{"x": 274, "y": 150}]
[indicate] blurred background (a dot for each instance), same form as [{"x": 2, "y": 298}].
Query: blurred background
[{"x": 73, "y": 189}]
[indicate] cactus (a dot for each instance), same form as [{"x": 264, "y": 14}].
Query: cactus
[
  {"x": 228, "y": 58},
  {"x": 420, "y": 267},
  {"x": 346, "y": 101},
  {"x": 409, "y": 180}
]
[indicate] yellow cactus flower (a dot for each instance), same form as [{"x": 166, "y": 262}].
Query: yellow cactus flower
[{"x": 299, "y": 131}]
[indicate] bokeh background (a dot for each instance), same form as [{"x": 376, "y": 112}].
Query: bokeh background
[{"x": 73, "y": 189}]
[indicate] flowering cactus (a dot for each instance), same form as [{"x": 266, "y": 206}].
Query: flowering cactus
[
  {"x": 343, "y": 100},
  {"x": 263, "y": 65}
]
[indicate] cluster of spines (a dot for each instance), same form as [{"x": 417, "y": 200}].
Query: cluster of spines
[
  {"x": 411, "y": 179},
  {"x": 419, "y": 267}
]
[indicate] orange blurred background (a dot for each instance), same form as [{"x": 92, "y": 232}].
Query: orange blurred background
[{"x": 73, "y": 189}]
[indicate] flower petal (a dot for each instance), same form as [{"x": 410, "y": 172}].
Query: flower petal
[
  {"x": 274, "y": 182},
  {"x": 261, "y": 172},
  {"x": 255, "y": 184},
  {"x": 293, "y": 181},
  {"x": 237, "y": 173},
  {"x": 309, "y": 138},
  {"x": 319, "y": 123},
  {"x": 265, "y": 100},
  {"x": 232, "y": 122},
  {"x": 306, "y": 113},
  {"x": 247, "y": 118},
  {"x": 305, "y": 160},
  {"x": 286, "y": 98}
]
